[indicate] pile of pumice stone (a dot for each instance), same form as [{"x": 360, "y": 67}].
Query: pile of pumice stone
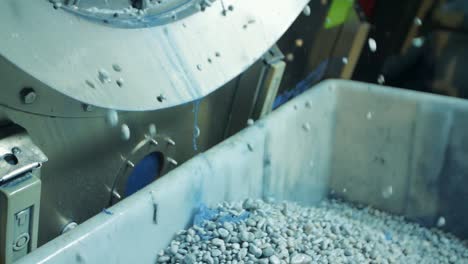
[{"x": 255, "y": 231}]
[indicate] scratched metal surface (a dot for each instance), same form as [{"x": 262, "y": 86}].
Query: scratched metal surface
[{"x": 178, "y": 60}]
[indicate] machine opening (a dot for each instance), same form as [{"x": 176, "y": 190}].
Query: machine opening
[
  {"x": 11, "y": 159},
  {"x": 145, "y": 172}
]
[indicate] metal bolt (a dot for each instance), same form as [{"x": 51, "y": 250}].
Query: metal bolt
[
  {"x": 69, "y": 227},
  {"x": 87, "y": 107},
  {"x": 28, "y": 95},
  {"x": 130, "y": 164},
  {"x": 16, "y": 150},
  {"x": 172, "y": 161},
  {"x": 153, "y": 141},
  {"x": 116, "y": 194},
  {"x": 170, "y": 141}
]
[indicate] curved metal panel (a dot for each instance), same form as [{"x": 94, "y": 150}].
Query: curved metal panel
[{"x": 145, "y": 68}]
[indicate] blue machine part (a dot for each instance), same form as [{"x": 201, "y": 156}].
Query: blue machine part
[
  {"x": 145, "y": 172},
  {"x": 311, "y": 79}
]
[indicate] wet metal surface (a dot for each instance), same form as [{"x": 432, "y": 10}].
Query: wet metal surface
[{"x": 182, "y": 61}]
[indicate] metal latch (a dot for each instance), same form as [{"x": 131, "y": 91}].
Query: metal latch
[{"x": 20, "y": 193}]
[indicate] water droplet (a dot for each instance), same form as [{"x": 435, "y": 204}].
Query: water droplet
[
  {"x": 381, "y": 79},
  {"x": 417, "y": 21},
  {"x": 372, "y": 44},
  {"x": 290, "y": 57},
  {"x": 152, "y": 130},
  {"x": 299, "y": 42},
  {"x": 120, "y": 82},
  {"x": 306, "y": 10},
  {"x": 387, "y": 192},
  {"x": 90, "y": 84},
  {"x": 112, "y": 118},
  {"x": 418, "y": 42},
  {"x": 125, "y": 132},
  {"x": 161, "y": 98},
  {"x": 104, "y": 76},
  {"x": 196, "y": 132},
  {"x": 441, "y": 222},
  {"x": 116, "y": 67}
]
